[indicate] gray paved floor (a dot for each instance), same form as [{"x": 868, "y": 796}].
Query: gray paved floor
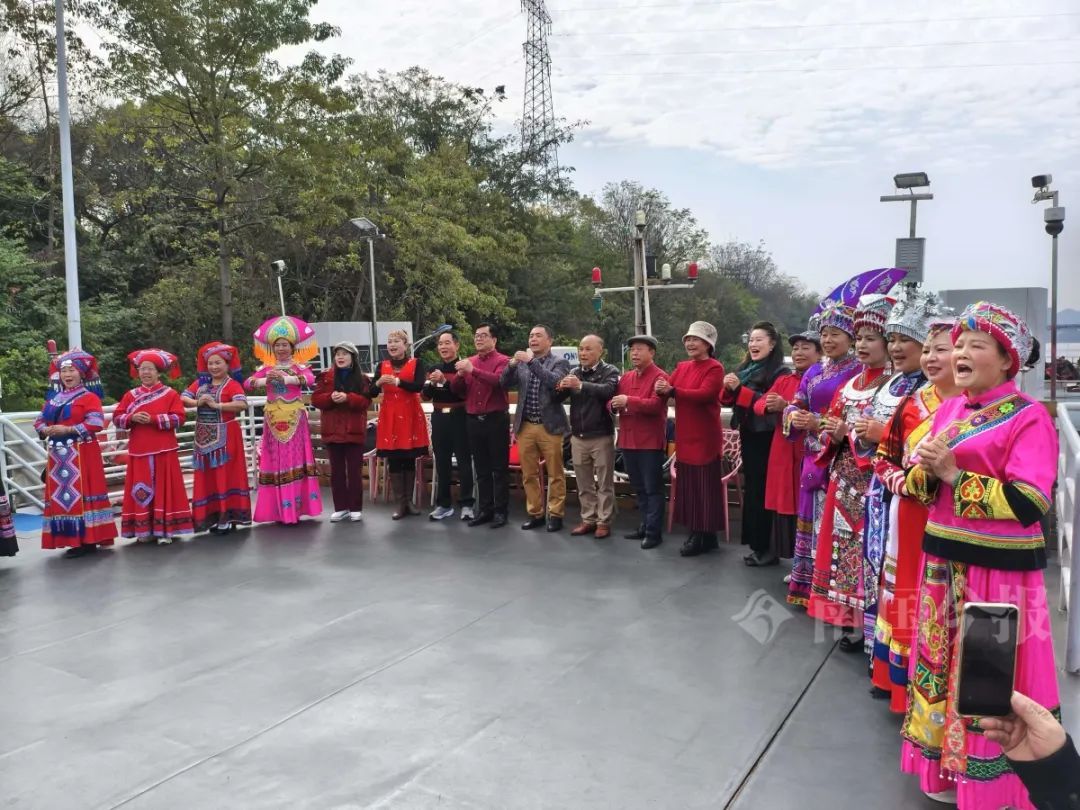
[{"x": 421, "y": 665}]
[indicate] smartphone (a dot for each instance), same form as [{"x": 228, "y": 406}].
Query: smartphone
[{"x": 987, "y": 667}]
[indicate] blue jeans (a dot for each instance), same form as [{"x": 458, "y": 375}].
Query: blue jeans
[{"x": 646, "y": 471}]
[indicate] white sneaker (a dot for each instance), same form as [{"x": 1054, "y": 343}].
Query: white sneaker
[
  {"x": 441, "y": 512},
  {"x": 355, "y": 516},
  {"x": 337, "y": 517},
  {"x": 467, "y": 513},
  {"x": 165, "y": 541},
  {"x": 787, "y": 578}
]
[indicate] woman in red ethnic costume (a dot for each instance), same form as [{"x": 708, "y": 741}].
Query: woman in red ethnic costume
[
  {"x": 78, "y": 514},
  {"x": 401, "y": 434},
  {"x": 155, "y": 500},
  {"x": 899, "y": 594},
  {"x": 838, "y": 592},
  {"x": 221, "y": 496}
]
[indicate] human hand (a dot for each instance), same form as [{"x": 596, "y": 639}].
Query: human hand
[
  {"x": 386, "y": 379},
  {"x": 731, "y": 382},
  {"x": 339, "y": 397},
  {"x": 804, "y": 420},
  {"x": 662, "y": 386},
  {"x": 1029, "y": 733},
  {"x": 774, "y": 403},
  {"x": 618, "y": 402},
  {"x": 522, "y": 356},
  {"x": 570, "y": 383},
  {"x": 869, "y": 430},
  {"x": 437, "y": 377},
  {"x": 141, "y": 418},
  {"x": 936, "y": 458},
  {"x": 464, "y": 366}
]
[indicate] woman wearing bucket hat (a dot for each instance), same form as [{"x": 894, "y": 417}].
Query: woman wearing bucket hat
[
  {"x": 343, "y": 394},
  {"x": 288, "y": 481},
  {"x": 156, "y": 504},
  {"x": 221, "y": 494},
  {"x": 695, "y": 385},
  {"x": 986, "y": 472},
  {"x": 77, "y": 509}
]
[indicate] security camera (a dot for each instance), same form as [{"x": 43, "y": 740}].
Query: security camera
[
  {"x": 1042, "y": 180},
  {"x": 279, "y": 267},
  {"x": 1054, "y": 218}
]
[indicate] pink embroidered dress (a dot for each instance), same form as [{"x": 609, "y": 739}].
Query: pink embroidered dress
[
  {"x": 983, "y": 542},
  {"x": 288, "y": 482}
]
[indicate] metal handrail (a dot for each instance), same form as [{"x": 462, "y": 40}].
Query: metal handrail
[
  {"x": 1068, "y": 521},
  {"x": 23, "y": 456}
]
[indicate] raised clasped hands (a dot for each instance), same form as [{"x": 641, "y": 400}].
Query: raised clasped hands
[
  {"x": 731, "y": 382},
  {"x": 464, "y": 366}
]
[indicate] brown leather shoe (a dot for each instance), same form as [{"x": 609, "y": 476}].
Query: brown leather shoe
[
  {"x": 602, "y": 531},
  {"x": 583, "y": 528}
]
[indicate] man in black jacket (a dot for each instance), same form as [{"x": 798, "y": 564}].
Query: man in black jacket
[{"x": 590, "y": 387}]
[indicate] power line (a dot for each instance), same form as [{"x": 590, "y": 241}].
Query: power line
[
  {"x": 681, "y": 54},
  {"x": 859, "y": 69},
  {"x": 810, "y": 26}
]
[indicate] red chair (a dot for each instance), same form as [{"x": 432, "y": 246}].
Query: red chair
[
  {"x": 732, "y": 466},
  {"x": 377, "y": 472}
]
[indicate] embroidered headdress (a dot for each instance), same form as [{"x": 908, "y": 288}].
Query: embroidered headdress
[
  {"x": 873, "y": 311},
  {"x": 914, "y": 313},
  {"x": 166, "y": 362},
  {"x": 299, "y": 334},
  {"x": 84, "y": 362},
  {"x": 1003, "y": 325},
  {"x": 230, "y": 354},
  {"x": 837, "y": 309}
]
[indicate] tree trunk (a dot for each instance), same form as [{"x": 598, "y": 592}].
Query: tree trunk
[{"x": 225, "y": 269}]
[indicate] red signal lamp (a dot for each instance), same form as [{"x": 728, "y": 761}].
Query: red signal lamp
[
  {"x": 597, "y": 278},
  {"x": 691, "y": 272}
]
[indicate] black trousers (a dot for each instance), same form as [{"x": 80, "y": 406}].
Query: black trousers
[
  {"x": 489, "y": 439},
  {"x": 756, "y": 519},
  {"x": 646, "y": 471},
  {"x": 450, "y": 439}
]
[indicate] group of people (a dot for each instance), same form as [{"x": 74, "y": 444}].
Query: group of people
[
  {"x": 920, "y": 481},
  {"x": 897, "y": 464}
]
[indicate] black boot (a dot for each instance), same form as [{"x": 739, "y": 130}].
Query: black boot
[
  {"x": 401, "y": 495},
  {"x": 636, "y": 535},
  {"x": 693, "y": 546}
]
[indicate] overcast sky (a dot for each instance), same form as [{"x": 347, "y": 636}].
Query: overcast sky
[{"x": 785, "y": 120}]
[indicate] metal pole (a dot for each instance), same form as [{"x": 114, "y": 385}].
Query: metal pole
[
  {"x": 374, "y": 310},
  {"x": 645, "y": 292},
  {"x": 71, "y": 248},
  {"x": 911, "y": 230},
  {"x": 639, "y": 273},
  {"x": 1053, "y": 316},
  {"x": 281, "y": 294}
]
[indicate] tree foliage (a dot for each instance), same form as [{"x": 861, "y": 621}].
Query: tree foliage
[{"x": 200, "y": 157}]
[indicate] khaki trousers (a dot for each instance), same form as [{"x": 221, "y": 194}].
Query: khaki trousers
[
  {"x": 534, "y": 443},
  {"x": 594, "y": 471}
]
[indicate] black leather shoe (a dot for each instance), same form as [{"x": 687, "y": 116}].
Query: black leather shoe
[
  {"x": 554, "y": 524},
  {"x": 754, "y": 561},
  {"x": 481, "y": 519},
  {"x": 638, "y": 534},
  {"x": 651, "y": 542},
  {"x": 851, "y": 644},
  {"x": 498, "y": 521},
  {"x": 533, "y": 523},
  {"x": 877, "y": 693}
]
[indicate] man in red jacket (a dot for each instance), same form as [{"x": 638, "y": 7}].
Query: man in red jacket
[{"x": 642, "y": 436}]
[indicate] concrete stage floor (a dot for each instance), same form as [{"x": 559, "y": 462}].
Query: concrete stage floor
[{"x": 423, "y": 665}]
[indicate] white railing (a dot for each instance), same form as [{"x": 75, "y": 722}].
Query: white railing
[
  {"x": 23, "y": 457},
  {"x": 1068, "y": 520}
]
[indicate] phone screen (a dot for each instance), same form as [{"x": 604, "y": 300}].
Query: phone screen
[{"x": 987, "y": 659}]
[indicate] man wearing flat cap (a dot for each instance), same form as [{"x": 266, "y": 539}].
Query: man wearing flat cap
[{"x": 643, "y": 436}]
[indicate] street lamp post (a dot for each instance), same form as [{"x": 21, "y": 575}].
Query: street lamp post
[
  {"x": 371, "y": 232},
  {"x": 71, "y": 247},
  {"x": 910, "y": 252},
  {"x": 1054, "y": 219}
]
